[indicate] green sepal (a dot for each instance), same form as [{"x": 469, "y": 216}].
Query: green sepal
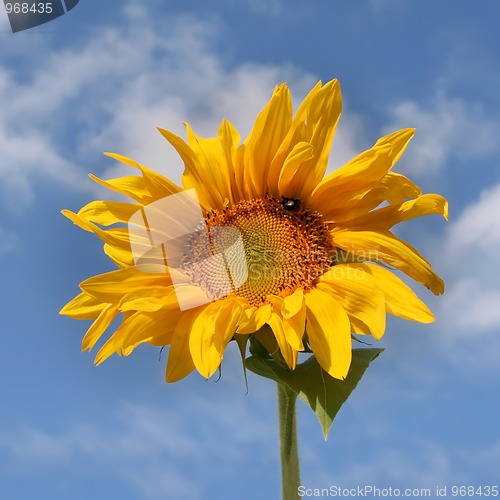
[
  {"x": 257, "y": 347},
  {"x": 242, "y": 341},
  {"x": 324, "y": 394}
]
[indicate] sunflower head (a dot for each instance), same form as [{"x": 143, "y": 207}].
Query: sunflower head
[
  {"x": 284, "y": 247},
  {"x": 258, "y": 239}
]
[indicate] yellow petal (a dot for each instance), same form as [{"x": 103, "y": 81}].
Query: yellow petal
[
  {"x": 118, "y": 248},
  {"x": 392, "y": 188},
  {"x": 210, "y": 334},
  {"x": 136, "y": 329},
  {"x": 386, "y": 217},
  {"x": 107, "y": 213},
  {"x": 329, "y": 332},
  {"x": 120, "y": 256},
  {"x": 398, "y": 141},
  {"x": 157, "y": 185},
  {"x": 293, "y": 326},
  {"x": 180, "y": 364},
  {"x": 112, "y": 346},
  {"x": 268, "y": 132},
  {"x": 358, "y": 327},
  {"x": 226, "y": 322},
  {"x": 131, "y": 186},
  {"x": 195, "y": 176},
  {"x": 83, "y": 306},
  {"x": 358, "y": 294},
  {"x": 242, "y": 174},
  {"x": 150, "y": 299},
  {"x": 253, "y": 319},
  {"x": 315, "y": 123},
  {"x": 229, "y": 139},
  {"x": 294, "y": 170},
  {"x": 350, "y": 183},
  {"x": 214, "y": 170},
  {"x": 424, "y": 205},
  {"x": 117, "y": 237},
  {"x": 201, "y": 341},
  {"x": 111, "y": 287},
  {"x": 98, "y": 327},
  {"x": 154, "y": 328},
  {"x": 400, "y": 300},
  {"x": 384, "y": 246},
  {"x": 293, "y": 304},
  {"x": 398, "y": 188},
  {"x": 290, "y": 355},
  {"x": 322, "y": 118}
]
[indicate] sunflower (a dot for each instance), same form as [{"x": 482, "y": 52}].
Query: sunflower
[{"x": 276, "y": 250}]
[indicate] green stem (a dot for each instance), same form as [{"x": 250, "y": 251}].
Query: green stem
[{"x": 290, "y": 469}]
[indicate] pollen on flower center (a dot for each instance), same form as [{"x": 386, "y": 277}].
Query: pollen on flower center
[{"x": 285, "y": 247}]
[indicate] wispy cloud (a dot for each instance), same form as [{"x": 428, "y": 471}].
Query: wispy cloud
[
  {"x": 156, "y": 451},
  {"x": 111, "y": 93},
  {"x": 470, "y": 255},
  {"x": 448, "y": 129},
  {"x": 141, "y": 444},
  {"x": 417, "y": 463}
]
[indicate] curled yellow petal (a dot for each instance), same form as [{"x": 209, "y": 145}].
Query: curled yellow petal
[
  {"x": 385, "y": 247},
  {"x": 329, "y": 332}
]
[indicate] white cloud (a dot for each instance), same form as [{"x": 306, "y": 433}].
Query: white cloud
[
  {"x": 468, "y": 314},
  {"x": 136, "y": 450},
  {"x": 478, "y": 228},
  {"x": 471, "y": 260},
  {"x": 448, "y": 128},
  {"x": 426, "y": 466},
  {"x": 155, "y": 450},
  {"x": 415, "y": 462},
  {"x": 111, "y": 93},
  {"x": 27, "y": 156}
]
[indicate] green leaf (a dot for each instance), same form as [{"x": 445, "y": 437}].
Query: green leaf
[{"x": 323, "y": 393}]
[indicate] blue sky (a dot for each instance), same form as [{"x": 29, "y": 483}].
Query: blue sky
[{"x": 101, "y": 78}]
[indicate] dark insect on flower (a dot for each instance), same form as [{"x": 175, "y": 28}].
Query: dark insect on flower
[{"x": 291, "y": 204}]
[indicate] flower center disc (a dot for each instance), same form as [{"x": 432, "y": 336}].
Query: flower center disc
[{"x": 285, "y": 247}]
